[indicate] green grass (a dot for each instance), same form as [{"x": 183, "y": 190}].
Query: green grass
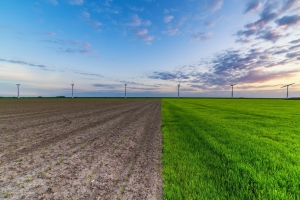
[{"x": 231, "y": 149}]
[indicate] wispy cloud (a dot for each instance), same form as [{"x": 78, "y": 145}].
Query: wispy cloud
[
  {"x": 140, "y": 31},
  {"x": 107, "y": 86},
  {"x": 252, "y": 6},
  {"x": 295, "y": 41},
  {"x": 73, "y": 46},
  {"x": 136, "y": 9},
  {"x": 201, "y": 36},
  {"x": 135, "y": 20},
  {"x": 269, "y": 35},
  {"x": 147, "y": 23},
  {"x": 21, "y": 62},
  {"x": 76, "y": 2},
  {"x": 174, "y": 76},
  {"x": 235, "y": 66},
  {"x": 171, "y": 31},
  {"x": 51, "y": 34},
  {"x": 54, "y": 2},
  {"x": 180, "y": 21},
  {"x": 86, "y": 15},
  {"x": 243, "y": 40},
  {"x": 209, "y": 23},
  {"x": 146, "y": 38},
  {"x": 89, "y": 74},
  {"x": 169, "y": 10},
  {"x": 270, "y": 13},
  {"x": 288, "y": 21},
  {"x": 168, "y": 18},
  {"x": 215, "y": 5},
  {"x": 108, "y": 3}
]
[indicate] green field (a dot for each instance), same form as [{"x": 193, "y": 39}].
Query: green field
[{"x": 231, "y": 149}]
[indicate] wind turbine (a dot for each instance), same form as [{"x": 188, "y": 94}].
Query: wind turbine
[
  {"x": 125, "y": 89},
  {"x": 232, "y": 90},
  {"x": 287, "y": 89},
  {"x": 178, "y": 89},
  {"x": 18, "y": 90},
  {"x": 72, "y": 89}
]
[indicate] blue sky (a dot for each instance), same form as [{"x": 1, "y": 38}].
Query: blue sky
[{"x": 150, "y": 45}]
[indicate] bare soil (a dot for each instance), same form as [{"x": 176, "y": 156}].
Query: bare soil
[{"x": 80, "y": 149}]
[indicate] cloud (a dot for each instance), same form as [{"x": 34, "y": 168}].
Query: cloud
[
  {"x": 168, "y": 18},
  {"x": 76, "y": 2},
  {"x": 293, "y": 55},
  {"x": 146, "y": 38},
  {"x": 51, "y": 34},
  {"x": 95, "y": 23},
  {"x": 89, "y": 74},
  {"x": 140, "y": 31},
  {"x": 135, "y": 21},
  {"x": 234, "y": 66},
  {"x": 54, "y": 2},
  {"x": 269, "y": 35},
  {"x": 247, "y": 33},
  {"x": 252, "y": 6},
  {"x": 289, "y": 4},
  {"x": 136, "y": 9},
  {"x": 269, "y": 13},
  {"x": 20, "y": 62},
  {"x": 201, "y": 36},
  {"x": 147, "y": 23},
  {"x": 280, "y": 52},
  {"x": 107, "y": 86},
  {"x": 108, "y": 3},
  {"x": 87, "y": 16},
  {"x": 209, "y": 23},
  {"x": 73, "y": 46},
  {"x": 245, "y": 40},
  {"x": 171, "y": 31},
  {"x": 287, "y": 21},
  {"x": 174, "y": 76},
  {"x": 295, "y": 47},
  {"x": 295, "y": 41},
  {"x": 215, "y": 5},
  {"x": 180, "y": 21},
  {"x": 265, "y": 17}
]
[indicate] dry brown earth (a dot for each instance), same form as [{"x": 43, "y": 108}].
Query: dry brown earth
[{"x": 80, "y": 149}]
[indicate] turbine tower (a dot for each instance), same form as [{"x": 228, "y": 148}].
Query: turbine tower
[
  {"x": 72, "y": 89},
  {"x": 178, "y": 89},
  {"x": 18, "y": 90},
  {"x": 125, "y": 89},
  {"x": 287, "y": 89},
  {"x": 232, "y": 90}
]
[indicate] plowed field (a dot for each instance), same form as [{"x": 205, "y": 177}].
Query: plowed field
[{"x": 80, "y": 149}]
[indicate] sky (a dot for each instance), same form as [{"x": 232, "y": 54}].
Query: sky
[{"x": 150, "y": 45}]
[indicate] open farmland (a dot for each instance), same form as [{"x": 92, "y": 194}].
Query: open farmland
[
  {"x": 231, "y": 149},
  {"x": 80, "y": 149}
]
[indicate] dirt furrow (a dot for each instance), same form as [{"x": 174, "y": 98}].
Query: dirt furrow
[
  {"x": 148, "y": 163},
  {"x": 93, "y": 157},
  {"x": 101, "y": 153},
  {"x": 17, "y": 125},
  {"x": 54, "y": 163},
  {"x": 12, "y": 155},
  {"x": 120, "y": 161},
  {"x": 45, "y": 131}
]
